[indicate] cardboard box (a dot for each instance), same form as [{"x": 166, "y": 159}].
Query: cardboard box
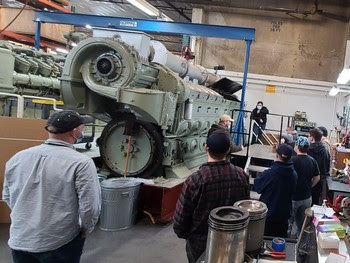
[
  {"x": 24, "y": 24},
  {"x": 328, "y": 240},
  {"x": 15, "y": 135}
]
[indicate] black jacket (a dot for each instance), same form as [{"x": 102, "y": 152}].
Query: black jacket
[
  {"x": 277, "y": 186},
  {"x": 261, "y": 115},
  {"x": 321, "y": 155}
]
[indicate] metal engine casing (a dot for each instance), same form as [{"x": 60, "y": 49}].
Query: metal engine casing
[
  {"x": 28, "y": 71},
  {"x": 108, "y": 79}
]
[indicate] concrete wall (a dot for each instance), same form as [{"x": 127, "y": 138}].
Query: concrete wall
[{"x": 312, "y": 47}]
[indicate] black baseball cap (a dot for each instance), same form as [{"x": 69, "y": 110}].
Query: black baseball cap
[
  {"x": 218, "y": 142},
  {"x": 65, "y": 121},
  {"x": 285, "y": 151}
]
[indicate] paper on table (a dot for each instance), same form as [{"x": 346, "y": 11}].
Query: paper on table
[{"x": 318, "y": 210}]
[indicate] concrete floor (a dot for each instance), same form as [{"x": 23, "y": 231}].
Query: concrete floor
[{"x": 144, "y": 242}]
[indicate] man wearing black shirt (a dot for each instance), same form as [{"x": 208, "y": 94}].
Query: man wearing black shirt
[
  {"x": 308, "y": 176},
  {"x": 321, "y": 156},
  {"x": 259, "y": 115}
]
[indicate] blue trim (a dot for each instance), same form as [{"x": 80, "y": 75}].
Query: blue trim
[
  {"x": 240, "y": 120},
  {"x": 37, "y": 35},
  {"x": 146, "y": 25}
]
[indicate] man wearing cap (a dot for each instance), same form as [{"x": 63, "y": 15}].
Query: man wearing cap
[
  {"x": 216, "y": 183},
  {"x": 224, "y": 124},
  {"x": 259, "y": 114},
  {"x": 308, "y": 176},
  {"x": 277, "y": 186},
  {"x": 54, "y": 195}
]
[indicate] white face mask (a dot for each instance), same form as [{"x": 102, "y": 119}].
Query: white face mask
[{"x": 259, "y": 107}]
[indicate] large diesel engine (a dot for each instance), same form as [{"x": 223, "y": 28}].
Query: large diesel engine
[
  {"x": 157, "y": 121},
  {"x": 28, "y": 71}
]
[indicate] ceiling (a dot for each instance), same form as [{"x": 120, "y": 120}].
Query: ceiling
[{"x": 181, "y": 10}]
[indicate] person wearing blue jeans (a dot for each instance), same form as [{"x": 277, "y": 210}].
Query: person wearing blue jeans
[
  {"x": 54, "y": 195},
  {"x": 70, "y": 252},
  {"x": 259, "y": 115},
  {"x": 308, "y": 176}
]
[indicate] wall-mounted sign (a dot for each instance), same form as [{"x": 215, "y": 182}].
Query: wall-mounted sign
[{"x": 270, "y": 88}]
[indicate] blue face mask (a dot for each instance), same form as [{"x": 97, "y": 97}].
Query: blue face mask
[
  {"x": 259, "y": 107},
  {"x": 78, "y": 140}
]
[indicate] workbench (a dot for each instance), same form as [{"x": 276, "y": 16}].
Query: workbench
[
  {"x": 290, "y": 252},
  {"x": 336, "y": 188}
]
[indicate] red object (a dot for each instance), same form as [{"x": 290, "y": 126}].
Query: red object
[
  {"x": 337, "y": 204},
  {"x": 159, "y": 201},
  {"x": 275, "y": 254},
  {"x": 41, "y": 4}
]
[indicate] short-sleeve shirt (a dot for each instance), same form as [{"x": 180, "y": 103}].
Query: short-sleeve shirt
[{"x": 306, "y": 168}]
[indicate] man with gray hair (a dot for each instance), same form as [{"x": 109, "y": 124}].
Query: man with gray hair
[{"x": 54, "y": 195}]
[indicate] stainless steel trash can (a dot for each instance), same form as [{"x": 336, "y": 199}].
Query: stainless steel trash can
[
  {"x": 227, "y": 235},
  {"x": 119, "y": 203},
  {"x": 257, "y": 211}
]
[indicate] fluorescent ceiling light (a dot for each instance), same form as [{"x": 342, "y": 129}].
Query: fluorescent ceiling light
[
  {"x": 149, "y": 9},
  {"x": 61, "y": 50},
  {"x": 334, "y": 91},
  {"x": 145, "y": 7},
  {"x": 344, "y": 77}
]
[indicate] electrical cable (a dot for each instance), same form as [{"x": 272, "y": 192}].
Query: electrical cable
[{"x": 13, "y": 20}]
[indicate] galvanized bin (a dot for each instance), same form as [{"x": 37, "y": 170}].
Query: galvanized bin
[
  {"x": 119, "y": 203},
  {"x": 227, "y": 235},
  {"x": 257, "y": 211}
]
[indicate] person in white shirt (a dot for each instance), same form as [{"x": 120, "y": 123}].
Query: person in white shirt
[{"x": 54, "y": 195}]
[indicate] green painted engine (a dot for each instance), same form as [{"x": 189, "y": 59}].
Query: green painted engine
[
  {"x": 157, "y": 121},
  {"x": 30, "y": 72}
]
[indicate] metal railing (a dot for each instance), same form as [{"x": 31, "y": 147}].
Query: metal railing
[{"x": 264, "y": 132}]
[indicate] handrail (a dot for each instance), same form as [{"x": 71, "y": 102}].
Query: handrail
[
  {"x": 264, "y": 132},
  {"x": 20, "y": 102}
]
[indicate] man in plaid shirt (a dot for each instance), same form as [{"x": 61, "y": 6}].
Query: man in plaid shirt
[{"x": 216, "y": 183}]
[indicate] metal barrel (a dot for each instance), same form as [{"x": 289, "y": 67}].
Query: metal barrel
[
  {"x": 119, "y": 203},
  {"x": 257, "y": 211},
  {"x": 227, "y": 235}
]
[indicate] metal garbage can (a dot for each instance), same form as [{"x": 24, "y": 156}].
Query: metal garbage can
[
  {"x": 257, "y": 211},
  {"x": 119, "y": 203},
  {"x": 101, "y": 177},
  {"x": 227, "y": 235}
]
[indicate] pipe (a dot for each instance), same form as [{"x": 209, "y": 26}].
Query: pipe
[
  {"x": 35, "y": 81},
  {"x": 181, "y": 66}
]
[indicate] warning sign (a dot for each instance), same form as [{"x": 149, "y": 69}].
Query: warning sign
[{"x": 270, "y": 88}]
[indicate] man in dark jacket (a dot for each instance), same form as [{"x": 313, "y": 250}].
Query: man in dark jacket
[
  {"x": 277, "y": 186},
  {"x": 259, "y": 115},
  {"x": 321, "y": 155},
  {"x": 216, "y": 183},
  {"x": 224, "y": 125}
]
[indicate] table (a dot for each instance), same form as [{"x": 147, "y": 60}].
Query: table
[
  {"x": 336, "y": 188},
  {"x": 290, "y": 252}
]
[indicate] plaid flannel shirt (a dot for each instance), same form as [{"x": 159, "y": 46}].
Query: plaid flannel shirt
[{"x": 215, "y": 184}]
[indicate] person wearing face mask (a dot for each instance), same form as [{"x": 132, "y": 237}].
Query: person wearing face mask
[
  {"x": 54, "y": 195},
  {"x": 259, "y": 115},
  {"x": 225, "y": 122}
]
